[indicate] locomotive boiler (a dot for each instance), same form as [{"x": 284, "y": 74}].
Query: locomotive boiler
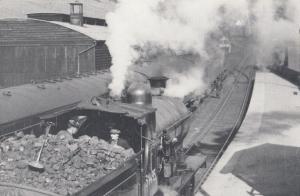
[{"x": 153, "y": 125}]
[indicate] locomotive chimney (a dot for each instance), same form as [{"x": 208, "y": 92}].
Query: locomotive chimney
[
  {"x": 158, "y": 84},
  {"x": 76, "y": 13}
]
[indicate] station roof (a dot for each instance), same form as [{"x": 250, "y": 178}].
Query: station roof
[
  {"x": 37, "y": 26},
  {"x": 35, "y": 99},
  {"x": 95, "y": 32}
]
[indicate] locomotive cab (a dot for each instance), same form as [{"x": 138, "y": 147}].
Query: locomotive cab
[
  {"x": 153, "y": 126},
  {"x": 137, "y": 124},
  {"x": 154, "y": 130}
]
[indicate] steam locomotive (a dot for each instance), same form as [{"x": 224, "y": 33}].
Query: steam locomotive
[{"x": 154, "y": 126}]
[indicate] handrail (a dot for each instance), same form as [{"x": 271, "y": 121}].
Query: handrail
[{"x": 179, "y": 121}]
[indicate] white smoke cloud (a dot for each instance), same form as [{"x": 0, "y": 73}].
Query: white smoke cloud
[
  {"x": 177, "y": 25},
  {"x": 276, "y": 24},
  {"x": 142, "y": 28},
  {"x": 184, "y": 83}
]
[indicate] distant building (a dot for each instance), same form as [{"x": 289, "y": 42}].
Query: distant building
[{"x": 47, "y": 45}]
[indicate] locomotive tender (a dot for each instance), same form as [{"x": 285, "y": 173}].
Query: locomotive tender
[{"x": 154, "y": 126}]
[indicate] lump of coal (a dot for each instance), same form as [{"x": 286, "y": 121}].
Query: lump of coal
[{"x": 70, "y": 164}]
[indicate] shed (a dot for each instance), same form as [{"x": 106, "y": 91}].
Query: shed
[{"x": 33, "y": 49}]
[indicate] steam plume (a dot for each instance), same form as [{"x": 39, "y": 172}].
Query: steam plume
[
  {"x": 276, "y": 22},
  {"x": 175, "y": 25},
  {"x": 141, "y": 29}
]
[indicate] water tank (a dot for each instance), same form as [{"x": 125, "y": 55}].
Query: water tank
[{"x": 139, "y": 93}]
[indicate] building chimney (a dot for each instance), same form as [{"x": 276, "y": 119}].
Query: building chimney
[
  {"x": 158, "y": 84},
  {"x": 76, "y": 13}
]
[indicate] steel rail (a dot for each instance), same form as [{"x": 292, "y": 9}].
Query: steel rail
[
  {"x": 232, "y": 132},
  {"x": 211, "y": 119},
  {"x": 221, "y": 106}
]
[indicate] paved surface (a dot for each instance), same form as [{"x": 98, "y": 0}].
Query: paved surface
[{"x": 273, "y": 117}]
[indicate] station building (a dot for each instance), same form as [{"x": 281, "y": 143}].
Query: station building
[{"x": 50, "y": 45}]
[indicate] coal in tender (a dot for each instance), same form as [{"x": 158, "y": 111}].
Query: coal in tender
[{"x": 70, "y": 164}]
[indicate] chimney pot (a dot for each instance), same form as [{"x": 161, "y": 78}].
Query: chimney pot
[{"x": 76, "y": 13}]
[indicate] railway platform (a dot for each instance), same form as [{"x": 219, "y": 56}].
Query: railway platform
[{"x": 264, "y": 156}]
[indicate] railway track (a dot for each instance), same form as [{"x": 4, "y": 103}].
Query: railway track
[{"x": 225, "y": 121}]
